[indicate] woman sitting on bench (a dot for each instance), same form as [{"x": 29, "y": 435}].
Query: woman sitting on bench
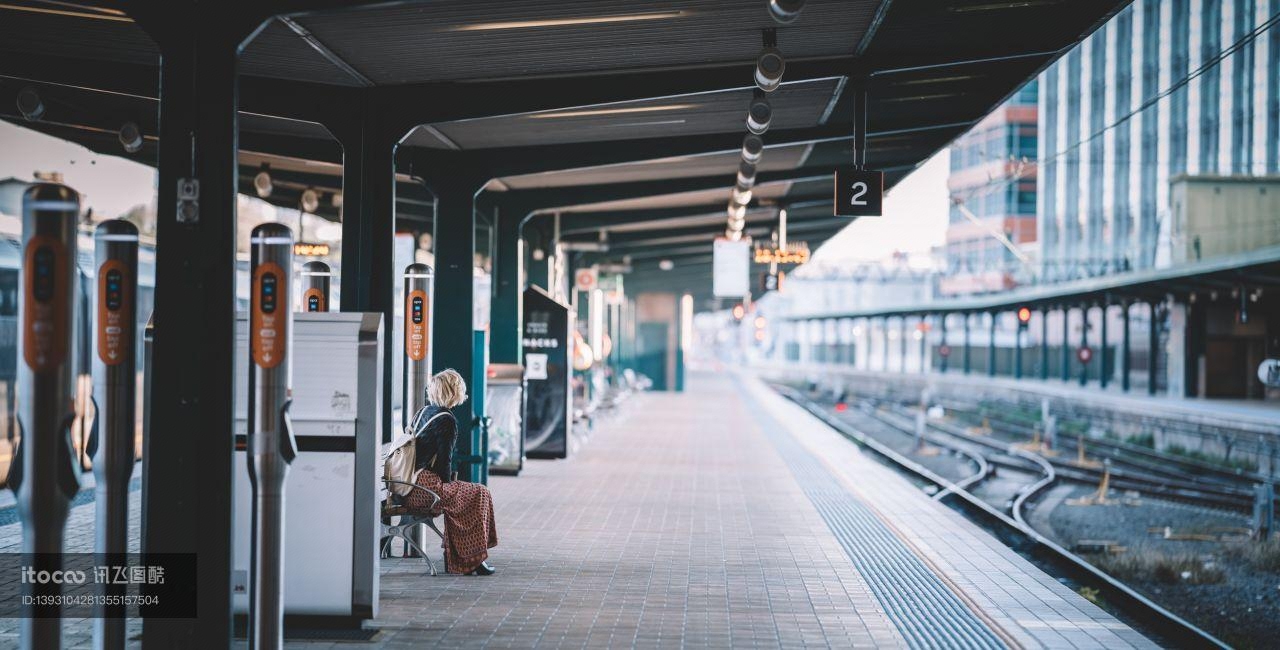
[{"x": 469, "y": 530}]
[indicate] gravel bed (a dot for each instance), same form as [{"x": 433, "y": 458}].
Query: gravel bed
[{"x": 1237, "y": 599}]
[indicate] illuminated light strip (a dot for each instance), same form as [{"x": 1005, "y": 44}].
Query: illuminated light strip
[
  {"x": 271, "y": 240},
  {"x": 654, "y": 123},
  {"x": 54, "y": 205},
  {"x": 611, "y": 111},
  {"x": 565, "y": 22},
  {"x": 128, "y": 238},
  {"x": 72, "y": 14},
  {"x": 418, "y": 275}
]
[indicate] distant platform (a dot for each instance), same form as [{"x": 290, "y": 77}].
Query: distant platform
[{"x": 1260, "y": 414}]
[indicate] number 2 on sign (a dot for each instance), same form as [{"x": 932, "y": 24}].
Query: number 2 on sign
[{"x": 859, "y": 191}]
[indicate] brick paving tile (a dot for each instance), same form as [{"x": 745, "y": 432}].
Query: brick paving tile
[{"x": 680, "y": 524}]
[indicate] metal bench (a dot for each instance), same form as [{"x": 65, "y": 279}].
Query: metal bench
[{"x": 393, "y": 505}]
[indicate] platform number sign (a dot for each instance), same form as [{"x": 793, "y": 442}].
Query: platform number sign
[{"x": 859, "y": 192}]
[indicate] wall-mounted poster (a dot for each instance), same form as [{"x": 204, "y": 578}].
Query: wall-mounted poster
[{"x": 548, "y": 413}]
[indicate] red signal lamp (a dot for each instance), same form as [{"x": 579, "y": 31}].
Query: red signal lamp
[
  {"x": 841, "y": 407},
  {"x": 1024, "y": 315}
]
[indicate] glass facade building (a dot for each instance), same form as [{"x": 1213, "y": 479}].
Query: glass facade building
[{"x": 1166, "y": 88}]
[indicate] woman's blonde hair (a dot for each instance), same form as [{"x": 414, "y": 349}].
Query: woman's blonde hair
[{"x": 446, "y": 389}]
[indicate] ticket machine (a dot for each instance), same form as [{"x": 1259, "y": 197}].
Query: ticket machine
[{"x": 331, "y": 524}]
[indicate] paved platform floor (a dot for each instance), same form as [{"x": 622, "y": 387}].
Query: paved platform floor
[{"x": 723, "y": 516}]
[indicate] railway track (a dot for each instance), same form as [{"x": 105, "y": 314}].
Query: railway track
[{"x": 1012, "y": 528}]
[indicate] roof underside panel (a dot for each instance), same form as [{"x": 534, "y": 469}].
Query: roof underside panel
[
  {"x": 795, "y": 106},
  {"x": 496, "y": 39},
  {"x": 775, "y": 159}
]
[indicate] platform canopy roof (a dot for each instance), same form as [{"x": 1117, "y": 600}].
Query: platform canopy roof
[{"x": 625, "y": 118}]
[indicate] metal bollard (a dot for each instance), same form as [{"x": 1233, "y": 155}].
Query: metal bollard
[
  {"x": 417, "y": 355},
  {"x": 45, "y": 474},
  {"x": 1264, "y": 510},
  {"x": 316, "y": 277},
  {"x": 270, "y": 434},
  {"x": 115, "y": 394}
]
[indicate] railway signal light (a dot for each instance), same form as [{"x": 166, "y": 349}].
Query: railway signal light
[
  {"x": 1024, "y": 316},
  {"x": 738, "y": 312}
]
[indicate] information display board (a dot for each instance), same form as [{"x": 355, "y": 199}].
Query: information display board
[
  {"x": 548, "y": 413},
  {"x": 731, "y": 268}
]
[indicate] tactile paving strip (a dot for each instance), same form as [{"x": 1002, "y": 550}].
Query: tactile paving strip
[{"x": 926, "y": 611}]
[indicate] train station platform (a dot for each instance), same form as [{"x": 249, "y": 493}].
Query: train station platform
[
  {"x": 727, "y": 516},
  {"x": 1256, "y": 415},
  {"x": 722, "y": 516}
]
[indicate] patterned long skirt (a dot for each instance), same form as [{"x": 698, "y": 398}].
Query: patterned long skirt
[{"x": 469, "y": 530}]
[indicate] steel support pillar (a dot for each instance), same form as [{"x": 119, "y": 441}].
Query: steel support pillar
[
  {"x": 1044, "y": 344},
  {"x": 1084, "y": 342},
  {"x": 1017, "y": 351},
  {"x": 902, "y": 343},
  {"x": 369, "y": 279},
  {"x": 942, "y": 345},
  {"x": 1126, "y": 359},
  {"x": 186, "y": 482},
  {"x": 967, "y": 347},
  {"x": 455, "y": 245},
  {"x": 991, "y": 346},
  {"x": 1066, "y": 343},
  {"x": 504, "y": 313},
  {"x": 1153, "y": 342},
  {"x": 1102, "y": 347},
  {"x": 924, "y": 345},
  {"x": 884, "y": 340}
]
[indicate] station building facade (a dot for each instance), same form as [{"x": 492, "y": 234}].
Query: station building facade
[
  {"x": 1112, "y": 154},
  {"x": 993, "y": 177}
]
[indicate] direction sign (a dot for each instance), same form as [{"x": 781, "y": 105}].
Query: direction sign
[{"x": 859, "y": 192}]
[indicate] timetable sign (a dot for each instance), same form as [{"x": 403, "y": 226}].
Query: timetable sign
[{"x": 859, "y": 192}]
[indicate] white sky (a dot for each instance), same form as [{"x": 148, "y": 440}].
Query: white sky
[
  {"x": 108, "y": 184},
  {"x": 915, "y": 218}
]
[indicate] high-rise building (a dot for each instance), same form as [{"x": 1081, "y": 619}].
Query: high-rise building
[
  {"x": 993, "y": 179},
  {"x": 1166, "y": 89}
]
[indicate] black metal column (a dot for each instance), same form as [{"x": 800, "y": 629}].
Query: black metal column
[
  {"x": 504, "y": 319},
  {"x": 924, "y": 344},
  {"x": 186, "y": 482},
  {"x": 1126, "y": 359},
  {"x": 1066, "y": 343},
  {"x": 942, "y": 345},
  {"x": 1102, "y": 347},
  {"x": 1084, "y": 342},
  {"x": 369, "y": 278},
  {"x": 1044, "y": 343},
  {"x": 1153, "y": 342},
  {"x": 902, "y": 343},
  {"x": 1017, "y": 351},
  {"x": 884, "y": 341},
  {"x": 967, "y": 347},
  {"x": 991, "y": 346},
  {"x": 455, "y": 244}
]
